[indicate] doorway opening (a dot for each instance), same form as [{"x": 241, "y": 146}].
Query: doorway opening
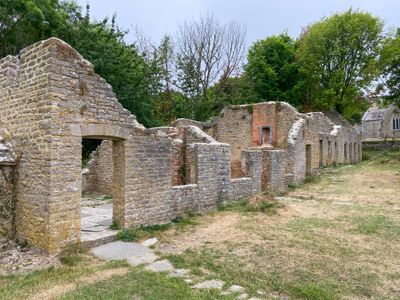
[
  {"x": 321, "y": 152},
  {"x": 100, "y": 185},
  {"x": 308, "y": 160}
]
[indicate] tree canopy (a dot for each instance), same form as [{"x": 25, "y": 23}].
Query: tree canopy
[
  {"x": 390, "y": 62},
  {"x": 338, "y": 57},
  {"x": 273, "y": 69},
  {"x": 198, "y": 70}
]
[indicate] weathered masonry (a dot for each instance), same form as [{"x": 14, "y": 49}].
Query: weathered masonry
[
  {"x": 379, "y": 124},
  {"x": 51, "y": 99},
  {"x": 292, "y": 144}
]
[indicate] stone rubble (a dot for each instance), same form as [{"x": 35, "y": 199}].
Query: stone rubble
[{"x": 15, "y": 259}]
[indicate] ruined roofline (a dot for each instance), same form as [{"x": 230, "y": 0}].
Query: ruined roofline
[
  {"x": 54, "y": 49},
  {"x": 50, "y": 41}
]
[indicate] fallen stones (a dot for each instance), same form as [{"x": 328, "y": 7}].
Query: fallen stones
[
  {"x": 179, "y": 273},
  {"x": 160, "y": 266},
  {"x": 236, "y": 289},
  {"x": 150, "y": 242},
  {"x": 210, "y": 284},
  {"x": 137, "y": 254}
]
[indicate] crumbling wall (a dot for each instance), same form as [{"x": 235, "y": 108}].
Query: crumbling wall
[
  {"x": 296, "y": 156},
  {"x": 274, "y": 170},
  {"x": 25, "y": 109},
  {"x": 7, "y": 185},
  {"x": 250, "y": 184},
  {"x": 233, "y": 126},
  {"x": 51, "y": 99},
  {"x": 7, "y": 201}
]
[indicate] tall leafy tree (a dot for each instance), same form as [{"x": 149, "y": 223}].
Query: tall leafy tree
[
  {"x": 390, "y": 62},
  {"x": 338, "y": 57},
  {"x": 273, "y": 70},
  {"x": 23, "y": 22}
]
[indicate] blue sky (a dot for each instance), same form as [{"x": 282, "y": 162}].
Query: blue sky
[{"x": 261, "y": 17}]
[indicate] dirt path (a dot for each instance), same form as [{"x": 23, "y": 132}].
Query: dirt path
[{"x": 59, "y": 290}]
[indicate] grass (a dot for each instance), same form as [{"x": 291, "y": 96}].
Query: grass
[
  {"x": 139, "y": 284},
  {"x": 114, "y": 225},
  {"x": 25, "y": 285},
  {"x": 143, "y": 232},
  {"x": 264, "y": 203},
  {"x": 376, "y": 224},
  {"x": 339, "y": 239},
  {"x": 73, "y": 255}
]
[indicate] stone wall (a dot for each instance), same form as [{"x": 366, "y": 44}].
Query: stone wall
[
  {"x": 51, "y": 99},
  {"x": 273, "y": 170},
  {"x": 7, "y": 201},
  {"x": 381, "y": 145},
  {"x": 296, "y": 156},
  {"x": 7, "y": 183},
  {"x": 98, "y": 176},
  {"x": 237, "y": 136},
  {"x": 325, "y": 135}
]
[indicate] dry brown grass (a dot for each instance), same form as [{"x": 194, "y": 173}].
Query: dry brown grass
[{"x": 338, "y": 237}]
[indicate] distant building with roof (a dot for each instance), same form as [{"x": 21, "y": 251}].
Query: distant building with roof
[{"x": 381, "y": 123}]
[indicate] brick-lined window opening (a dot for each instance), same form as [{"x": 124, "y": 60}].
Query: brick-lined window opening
[{"x": 265, "y": 135}]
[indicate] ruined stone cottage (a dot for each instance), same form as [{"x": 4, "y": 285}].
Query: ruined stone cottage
[{"x": 51, "y": 99}]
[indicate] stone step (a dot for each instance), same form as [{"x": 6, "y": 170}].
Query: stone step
[{"x": 99, "y": 241}]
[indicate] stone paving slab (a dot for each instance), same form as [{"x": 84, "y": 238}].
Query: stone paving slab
[
  {"x": 150, "y": 242},
  {"x": 210, "y": 284},
  {"x": 135, "y": 254},
  {"x": 160, "y": 266},
  {"x": 96, "y": 221}
]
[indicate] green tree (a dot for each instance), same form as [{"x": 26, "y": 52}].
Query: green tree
[
  {"x": 102, "y": 43},
  {"x": 338, "y": 57},
  {"x": 273, "y": 70},
  {"x": 23, "y": 22},
  {"x": 232, "y": 91},
  {"x": 390, "y": 62}
]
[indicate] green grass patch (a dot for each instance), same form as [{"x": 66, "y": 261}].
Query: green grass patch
[
  {"x": 376, "y": 224},
  {"x": 314, "y": 291},
  {"x": 264, "y": 203},
  {"x": 23, "y": 286},
  {"x": 143, "y": 232},
  {"x": 140, "y": 284},
  {"x": 382, "y": 157},
  {"x": 307, "y": 224},
  {"x": 73, "y": 255},
  {"x": 114, "y": 225}
]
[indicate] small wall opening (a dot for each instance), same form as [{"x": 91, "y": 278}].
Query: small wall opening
[
  {"x": 336, "y": 151},
  {"x": 345, "y": 152},
  {"x": 265, "y": 136},
  {"x": 100, "y": 186},
  {"x": 350, "y": 153},
  {"x": 329, "y": 152},
  {"x": 308, "y": 160},
  {"x": 321, "y": 152}
]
